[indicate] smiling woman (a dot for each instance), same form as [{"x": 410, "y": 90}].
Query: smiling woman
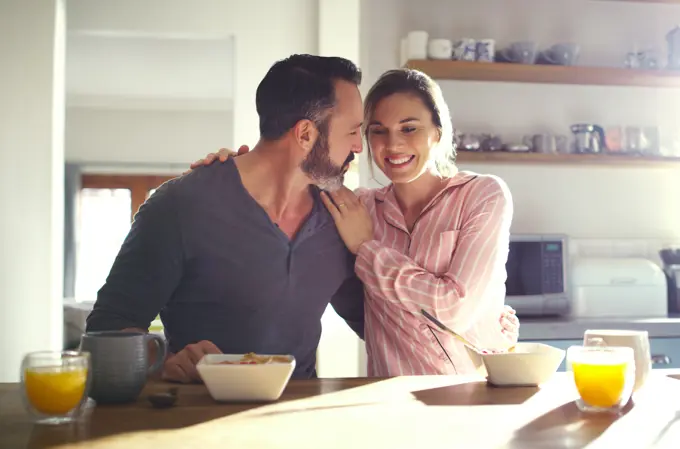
[
  {"x": 414, "y": 106},
  {"x": 435, "y": 239}
]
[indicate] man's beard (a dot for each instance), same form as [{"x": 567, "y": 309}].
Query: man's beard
[{"x": 321, "y": 169}]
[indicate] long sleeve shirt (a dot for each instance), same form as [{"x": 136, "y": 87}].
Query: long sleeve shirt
[
  {"x": 452, "y": 264},
  {"x": 204, "y": 254}
]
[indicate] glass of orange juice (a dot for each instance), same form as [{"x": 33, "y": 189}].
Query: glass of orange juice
[
  {"x": 55, "y": 385},
  {"x": 604, "y": 376}
]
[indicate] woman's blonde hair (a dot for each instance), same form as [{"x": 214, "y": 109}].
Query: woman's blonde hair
[{"x": 414, "y": 82}]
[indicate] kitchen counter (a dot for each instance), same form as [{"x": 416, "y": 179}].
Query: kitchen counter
[
  {"x": 401, "y": 412},
  {"x": 530, "y": 329},
  {"x": 573, "y": 329}
]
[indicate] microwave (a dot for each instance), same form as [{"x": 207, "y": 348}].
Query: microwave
[{"x": 536, "y": 283}]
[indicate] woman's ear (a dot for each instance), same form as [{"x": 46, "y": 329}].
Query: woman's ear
[{"x": 437, "y": 138}]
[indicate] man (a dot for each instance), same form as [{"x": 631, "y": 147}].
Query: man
[{"x": 243, "y": 256}]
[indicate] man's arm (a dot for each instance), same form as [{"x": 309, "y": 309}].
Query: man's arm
[
  {"x": 146, "y": 271},
  {"x": 348, "y": 302}
]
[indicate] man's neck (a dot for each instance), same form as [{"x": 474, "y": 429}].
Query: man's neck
[{"x": 275, "y": 181}]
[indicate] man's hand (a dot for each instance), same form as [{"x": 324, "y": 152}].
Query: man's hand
[
  {"x": 222, "y": 155},
  {"x": 181, "y": 367}
]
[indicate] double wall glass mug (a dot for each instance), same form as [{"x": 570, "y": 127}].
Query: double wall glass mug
[
  {"x": 604, "y": 376},
  {"x": 55, "y": 385}
]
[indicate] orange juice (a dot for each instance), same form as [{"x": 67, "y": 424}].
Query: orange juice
[
  {"x": 55, "y": 390},
  {"x": 599, "y": 383}
]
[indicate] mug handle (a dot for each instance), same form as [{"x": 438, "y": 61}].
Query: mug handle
[{"x": 162, "y": 347}]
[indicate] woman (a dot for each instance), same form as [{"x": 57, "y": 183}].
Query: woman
[{"x": 434, "y": 239}]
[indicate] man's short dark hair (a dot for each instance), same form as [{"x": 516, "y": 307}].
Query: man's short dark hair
[{"x": 300, "y": 87}]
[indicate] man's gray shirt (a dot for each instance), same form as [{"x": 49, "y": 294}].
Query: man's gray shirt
[{"x": 206, "y": 256}]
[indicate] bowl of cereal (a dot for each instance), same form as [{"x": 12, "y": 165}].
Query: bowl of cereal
[
  {"x": 246, "y": 377},
  {"x": 526, "y": 364}
]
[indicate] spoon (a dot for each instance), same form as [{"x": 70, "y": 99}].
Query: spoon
[
  {"x": 446, "y": 329},
  {"x": 164, "y": 399}
]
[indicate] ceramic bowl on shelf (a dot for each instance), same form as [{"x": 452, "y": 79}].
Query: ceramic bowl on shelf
[
  {"x": 560, "y": 54},
  {"x": 246, "y": 377},
  {"x": 518, "y": 53}
]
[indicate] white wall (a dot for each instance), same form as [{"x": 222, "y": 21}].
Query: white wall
[
  {"x": 263, "y": 31},
  {"x": 149, "y": 67},
  {"x": 31, "y": 179},
  {"x": 144, "y": 136},
  {"x": 142, "y": 99},
  {"x": 591, "y": 202}
]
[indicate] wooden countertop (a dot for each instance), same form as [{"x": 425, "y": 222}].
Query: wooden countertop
[{"x": 401, "y": 412}]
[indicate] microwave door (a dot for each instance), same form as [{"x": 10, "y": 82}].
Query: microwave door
[
  {"x": 524, "y": 269},
  {"x": 535, "y": 278}
]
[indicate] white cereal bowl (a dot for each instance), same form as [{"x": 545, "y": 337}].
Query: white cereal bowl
[
  {"x": 530, "y": 364},
  {"x": 244, "y": 383}
]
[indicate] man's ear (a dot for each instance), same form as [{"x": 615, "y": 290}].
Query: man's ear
[{"x": 305, "y": 133}]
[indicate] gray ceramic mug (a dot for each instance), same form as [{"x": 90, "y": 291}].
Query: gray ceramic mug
[{"x": 120, "y": 363}]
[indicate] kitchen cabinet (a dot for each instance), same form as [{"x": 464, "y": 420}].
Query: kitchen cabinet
[{"x": 665, "y": 351}]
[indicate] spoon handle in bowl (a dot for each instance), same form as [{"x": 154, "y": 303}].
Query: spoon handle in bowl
[{"x": 446, "y": 329}]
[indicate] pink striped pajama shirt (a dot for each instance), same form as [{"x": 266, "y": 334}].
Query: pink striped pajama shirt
[{"x": 452, "y": 265}]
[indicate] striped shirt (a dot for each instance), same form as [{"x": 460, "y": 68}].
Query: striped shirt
[{"x": 452, "y": 264}]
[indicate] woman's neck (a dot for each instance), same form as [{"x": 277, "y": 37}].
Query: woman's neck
[{"x": 413, "y": 196}]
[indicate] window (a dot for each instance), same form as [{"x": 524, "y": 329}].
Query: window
[
  {"x": 107, "y": 206},
  {"x": 140, "y": 186}
]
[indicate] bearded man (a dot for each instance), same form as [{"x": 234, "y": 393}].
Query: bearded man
[{"x": 243, "y": 256}]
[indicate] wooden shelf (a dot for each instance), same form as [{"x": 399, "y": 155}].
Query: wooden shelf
[
  {"x": 502, "y": 157},
  {"x": 545, "y": 74}
]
